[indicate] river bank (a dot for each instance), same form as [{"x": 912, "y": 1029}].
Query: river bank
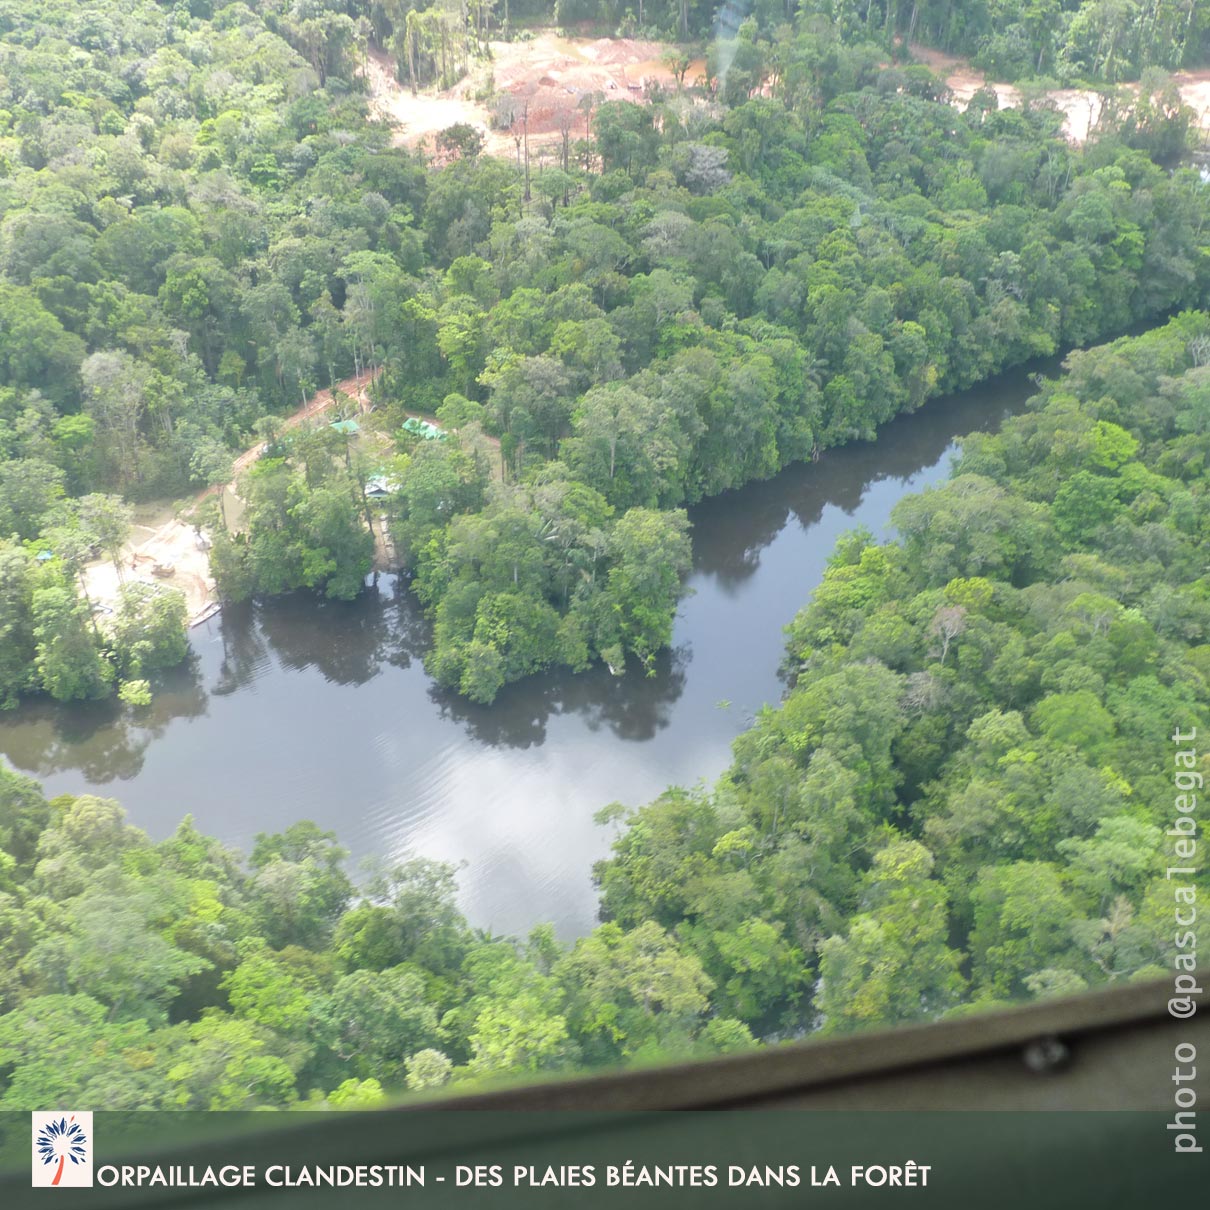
[{"x": 301, "y": 708}]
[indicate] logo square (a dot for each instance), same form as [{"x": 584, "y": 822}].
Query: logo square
[{"x": 62, "y": 1149}]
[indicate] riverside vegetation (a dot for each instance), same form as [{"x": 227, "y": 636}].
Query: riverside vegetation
[
  {"x": 199, "y": 225},
  {"x": 959, "y": 804}
]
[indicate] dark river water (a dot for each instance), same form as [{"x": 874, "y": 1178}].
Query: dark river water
[{"x": 307, "y": 709}]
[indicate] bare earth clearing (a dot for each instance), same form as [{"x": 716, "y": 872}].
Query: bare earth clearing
[
  {"x": 1080, "y": 106},
  {"x": 555, "y": 74},
  {"x": 171, "y": 543},
  {"x": 552, "y": 72},
  {"x": 160, "y": 538}
]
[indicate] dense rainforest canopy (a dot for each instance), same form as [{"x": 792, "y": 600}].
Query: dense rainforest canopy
[{"x": 962, "y": 802}]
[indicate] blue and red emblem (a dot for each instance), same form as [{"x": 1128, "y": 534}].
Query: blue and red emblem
[{"x": 60, "y": 1140}]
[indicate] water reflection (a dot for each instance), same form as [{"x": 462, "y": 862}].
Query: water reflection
[
  {"x": 348, "y": 642},
  {"x": 103, "y": 741},
  {"x": 633, "y": 707}
]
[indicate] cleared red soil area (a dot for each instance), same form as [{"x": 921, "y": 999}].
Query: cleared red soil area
[{"x": 559, "y": 77}]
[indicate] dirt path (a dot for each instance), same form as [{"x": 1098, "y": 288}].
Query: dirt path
[
  {"x": 1081, "y": 107},
  {"x": 356, "y": 389}
]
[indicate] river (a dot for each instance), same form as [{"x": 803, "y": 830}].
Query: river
[{"x": 307, "y": 709}]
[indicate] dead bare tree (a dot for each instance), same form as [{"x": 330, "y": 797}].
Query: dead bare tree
[
  {"x": 948, "y": 623},
  {"x": 525, "y": 137},
  {"x": 566, "y": 119}
]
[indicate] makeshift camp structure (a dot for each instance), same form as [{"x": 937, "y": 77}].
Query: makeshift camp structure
[{"x": 423, "y": 429}]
